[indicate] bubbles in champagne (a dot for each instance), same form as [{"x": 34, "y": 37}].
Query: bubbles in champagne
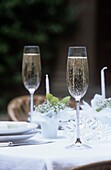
[
  {"x": 77, "y": 76},
  {"x": 31, "y": 71}
]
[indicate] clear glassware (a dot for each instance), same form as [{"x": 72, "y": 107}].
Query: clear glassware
[
  {"x": 77, "y": 78},
  {"x": 31, "y": 71}
]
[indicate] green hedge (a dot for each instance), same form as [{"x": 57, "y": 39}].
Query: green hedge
[{"x": 24, "y": 22}]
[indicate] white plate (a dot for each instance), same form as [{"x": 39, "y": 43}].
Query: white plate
[
  {"x": 13, "y": 138},
  {"x": 9, "y": 128}
]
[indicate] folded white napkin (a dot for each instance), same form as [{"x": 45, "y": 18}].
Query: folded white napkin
[{"x": 100, "y": 108}]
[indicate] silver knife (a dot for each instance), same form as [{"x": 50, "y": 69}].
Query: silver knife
[{"x": 11, "y": 144}]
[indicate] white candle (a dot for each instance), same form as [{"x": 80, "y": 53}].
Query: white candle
[
  {"x": 103, "y": 82},
  {"x": 47, "y": 84}
]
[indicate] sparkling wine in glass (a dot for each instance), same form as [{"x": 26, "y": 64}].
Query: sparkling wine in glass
[
  {"x": 77, "y": 82},
  {"x": 31, "y": 71}
]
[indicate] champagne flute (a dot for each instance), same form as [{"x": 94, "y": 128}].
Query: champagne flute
[
  {"x": 77, "y": 82},
  {"x": 31, "y": 71}
]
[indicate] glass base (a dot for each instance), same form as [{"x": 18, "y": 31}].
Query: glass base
[{"x": 78, "y": 146}]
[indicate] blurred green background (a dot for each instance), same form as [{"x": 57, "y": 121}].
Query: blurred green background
[{"x": 32, "y": 22}]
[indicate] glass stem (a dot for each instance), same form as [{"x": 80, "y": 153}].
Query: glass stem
[
  {"x": 31, "y": 106},
  {"x": 78, "y": 121}
]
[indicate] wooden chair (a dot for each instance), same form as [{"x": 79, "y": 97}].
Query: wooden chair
[
  {"x": 104, "y": 165},
  {"x": 19, "y": 107}
]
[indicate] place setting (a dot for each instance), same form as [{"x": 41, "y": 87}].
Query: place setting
[
  {"x": 54, "y": 118},
  {"x": 16, "y": 131}
]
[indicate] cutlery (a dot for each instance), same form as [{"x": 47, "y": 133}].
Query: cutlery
[{"x": 11, "y": 144}]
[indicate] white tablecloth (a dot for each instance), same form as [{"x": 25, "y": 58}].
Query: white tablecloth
[{"x": 51, "y": 156}]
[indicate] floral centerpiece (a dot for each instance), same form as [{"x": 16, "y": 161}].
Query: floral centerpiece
[
  {"x": 100, "y": 108},
  {"x": 51, "y": 112},
  {"x": 100, "y": 103}
]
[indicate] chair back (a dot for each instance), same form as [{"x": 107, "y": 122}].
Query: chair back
[
  {"x": 19, "y": 107},
  {"x": 104, "y": 165}
]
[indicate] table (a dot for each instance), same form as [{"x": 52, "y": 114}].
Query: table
[{"x": 51, "y": 156}]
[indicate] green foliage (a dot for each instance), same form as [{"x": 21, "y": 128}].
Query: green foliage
[
  {"x": 23, "y": 22},
  {"x": 52, "y": 105}
]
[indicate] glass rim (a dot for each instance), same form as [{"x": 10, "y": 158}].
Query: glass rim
[
  {"x": 31, "y": 46},
  {"x": 77, "y": 51},
  {"x": 77, "y": 46}
]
